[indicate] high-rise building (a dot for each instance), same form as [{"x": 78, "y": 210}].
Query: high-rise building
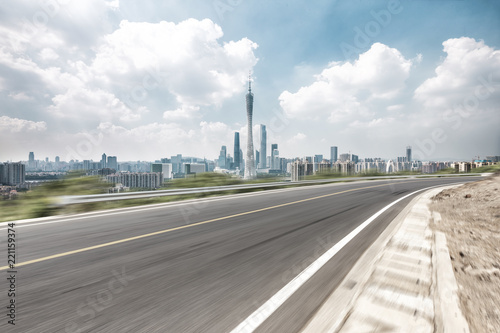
[
  {"x": 408, "y": 153},
  {"x": 345, "y": 157},
  {"x": 137, "y": 179},
  {"x": 86, "y": 165},
  {"x": 223, "y": 158},
  {"x": 250, "y": 172},
  {"x": 103, "y": 161},
  {"x": 274, "y": 147},
  {"x": 12, "y": 173},
  {"x": 176, "y": 163},
  {"x": 58, "y": 159},
  {"x": 318, "y": 158},
  {"x": 31, "y": 161},
  {"x": 164, "y": 168},
  {"x": 112, "y": 162},
  {"x": 237, "y": 157},
  {"x": 317, "y": 161},
  {"x": 275, "y": 161},
  {"x": 263, "y": 147},
  {"x": 194, "y": 168},
  {"x": 299, "y": 169},
  {"x": 333, "y": 154}
]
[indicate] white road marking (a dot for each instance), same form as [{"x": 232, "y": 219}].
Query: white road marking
[
  {"x": 269, "y": 307},
  {"x": 117, "y": 211}
]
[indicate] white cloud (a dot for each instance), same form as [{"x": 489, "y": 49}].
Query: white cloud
[
  {"x": 470, "y": 70},
  {"x": 154, "y": 132},
  {"x": 91, "y": 106},
  {"x": 213, "y": 127},
  {"x": 20, "y": 96},
  {"x": 297, "y": 137},
  {"x": 185, "y": 59},
  {"x": 379, "y": 122},
  {"x": 113, "y": 4},
  {"x": 395, "y": 107},
  {"x": 344, "y": 90},
  {"x": 48, "y": 54},
  {"x": 16, "y": 125},
  {"x": 183, "y": 113},
  {"x": 103, "y": 83}
]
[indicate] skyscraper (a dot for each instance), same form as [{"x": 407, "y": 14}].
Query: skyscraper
[
  {"x": 31, "y": 161},
  {"x": 263, "y": 146},
  {"x": 112, "y": 163},
  {"x": 333, "y": 154},
  {"x": 222, "y": 162},
  {"x": 250, "y": 172},
  {"x": 274, "y": 147},
  {"x": 12, "y": 173},
  {"x": 408, "y": 153},
  {"x": 237, "y": 157},
  {"x": 103, "y": 161}
]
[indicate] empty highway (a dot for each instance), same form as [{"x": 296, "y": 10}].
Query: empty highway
[{"x": 202, "y": 266}]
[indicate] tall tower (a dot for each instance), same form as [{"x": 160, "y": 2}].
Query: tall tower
[
  {"x": 263, "y": 146},
  {"x": 333, "y": 154},
  {"x": 250, "y": 172},
  {"x": 103, "y": 161},
  {"x": 237, "y": 157},
  {"x": 31, "y": 161},
  {"x": 408, "y": 153}
]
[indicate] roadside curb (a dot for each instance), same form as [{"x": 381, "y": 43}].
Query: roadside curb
[
  {"x": 403, "y": 282},
  {"x": 335, "y": 310},
  {"x": 449, "y": 317}
]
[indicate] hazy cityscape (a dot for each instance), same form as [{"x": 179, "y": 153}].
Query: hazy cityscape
[
  {"x": 153, "y": 174},
  {"x": 234, "y": 166}
]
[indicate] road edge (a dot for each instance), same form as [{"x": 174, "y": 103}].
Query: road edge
[
  {"x": 449, "y": 316},
  {"x": 336, "y": 310}
]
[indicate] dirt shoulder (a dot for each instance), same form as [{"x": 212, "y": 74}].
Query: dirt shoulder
[{"x": 471, "y": 221}]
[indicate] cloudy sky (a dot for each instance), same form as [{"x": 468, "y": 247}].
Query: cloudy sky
[{"x": 150, "y": 79}]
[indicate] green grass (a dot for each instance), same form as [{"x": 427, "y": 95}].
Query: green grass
[
  {"x": 216, "y": 179},
  {"x": 41, "y": 201},
  {"x": 203, "y": 180},
  {"x": 489, "y": 168}
]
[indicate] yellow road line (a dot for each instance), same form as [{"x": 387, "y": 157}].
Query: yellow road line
[{"x": 184, "y": 227}]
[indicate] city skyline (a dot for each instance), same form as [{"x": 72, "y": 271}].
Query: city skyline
[{"x": 367, "y": 77}]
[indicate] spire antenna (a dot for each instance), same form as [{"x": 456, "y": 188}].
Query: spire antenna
[{"x": 249, "y": 81}]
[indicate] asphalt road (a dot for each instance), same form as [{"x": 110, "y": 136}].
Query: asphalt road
[{"x": 193, "y": 267}]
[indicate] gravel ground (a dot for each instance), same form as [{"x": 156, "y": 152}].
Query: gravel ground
[{"x": 471, "y": 222}]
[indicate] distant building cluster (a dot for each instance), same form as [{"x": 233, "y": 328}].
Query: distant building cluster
[
  {"x": 153, "y": 175},
  {"x": 149, "y": 180},
  {"x": 12, "y": 174}
]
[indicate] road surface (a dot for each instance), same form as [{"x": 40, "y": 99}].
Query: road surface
[{"x": 194, "y": 267}]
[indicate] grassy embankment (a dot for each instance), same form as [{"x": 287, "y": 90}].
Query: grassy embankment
[{"x": 42, "y": 200}]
